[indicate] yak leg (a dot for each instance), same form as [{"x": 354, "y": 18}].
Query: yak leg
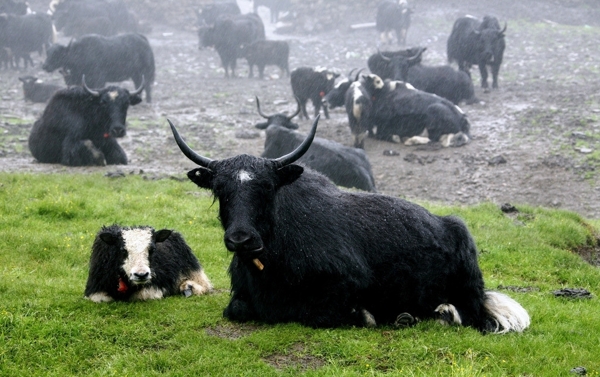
[
  {"x": 114, "y": 154},
  {"x": 495, "y": 71},
  {"x": 484, "y": 75},
  {"x": 81, "y": 153}
]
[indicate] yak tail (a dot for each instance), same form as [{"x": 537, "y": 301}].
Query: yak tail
[{"x": 508, "y": 314}]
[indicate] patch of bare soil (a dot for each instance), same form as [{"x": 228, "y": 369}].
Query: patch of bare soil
[
  {"x": 232, "y": 330},
  {"x": 297, "y": 358},
  {"x": 535, "y": 140}
]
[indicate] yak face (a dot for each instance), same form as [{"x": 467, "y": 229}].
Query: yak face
[
  {"x": 55, "y": 57},
  {"x": 490, "y": 41},
  {"x": 245, "y": 187},
  {"x": 134, "y": 248},
  {"x": 112, "y": 105}
]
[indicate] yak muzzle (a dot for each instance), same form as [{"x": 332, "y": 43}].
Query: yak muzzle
[
  {"x": 118, "y": 131},
  {"x": 244, "y": 243}
]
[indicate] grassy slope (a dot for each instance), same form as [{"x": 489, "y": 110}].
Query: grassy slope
[{"x": 47, "y": 225}]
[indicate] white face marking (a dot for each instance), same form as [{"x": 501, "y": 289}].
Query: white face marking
[
  {"x": 100, "y": 297},
  {"x": 377, "y": 81},
  {"x": 137, "y": 242},
  {"x": 113, "y": 95},
  {"x": 244, "y": 176},
  {"x": 329, "y": 76}
]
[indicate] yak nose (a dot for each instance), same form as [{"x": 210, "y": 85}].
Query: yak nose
[
  {"x": 118, "y": 131},
  {"x": 242, "y": 241},
  {"x": 141, "y": 275}
]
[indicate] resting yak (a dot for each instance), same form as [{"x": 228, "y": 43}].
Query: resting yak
[{"x": 306, "y": 252}]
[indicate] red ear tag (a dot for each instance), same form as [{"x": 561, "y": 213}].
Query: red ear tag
[
  {"x": 122, "y": 286},
  {"x": 106, "y": 135},
  {"x": 322, "y": 94}
]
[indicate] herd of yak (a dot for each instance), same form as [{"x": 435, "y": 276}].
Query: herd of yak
[{"x": 303, "y": 250}]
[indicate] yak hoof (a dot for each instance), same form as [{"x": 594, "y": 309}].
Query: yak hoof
[
  {"x": 405, "y": 320},
  {"x": 448, "y": 315},
  {"x": 368, "y": 319}
]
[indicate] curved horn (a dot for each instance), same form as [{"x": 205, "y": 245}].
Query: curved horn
[
  {"x": 385, "y": 58},
  {"x": 358, "y": 73},
  {"x": 187, "y": 151},
  {"x": 350, "y": 74},
  {"x": 302, "y": 148},
  {"x": 417, "y": 56},
  {"x": 139, "y": 90},
  {"x": 503, "y": 30},
  {"x": 259, "y": 111},
  {"x": 297, "y": 109},
  {"x": 90, "y": 91}
]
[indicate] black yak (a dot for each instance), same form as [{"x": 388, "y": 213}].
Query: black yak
[{"x": 305, "y": 251}]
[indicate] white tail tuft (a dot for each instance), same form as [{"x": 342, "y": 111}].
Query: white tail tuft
[{"x": 508, "y": 314}]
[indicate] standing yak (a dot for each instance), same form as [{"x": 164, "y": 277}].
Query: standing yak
[
  {"x": 474, "y": 42},
  {"x": 305, "y": 251}
]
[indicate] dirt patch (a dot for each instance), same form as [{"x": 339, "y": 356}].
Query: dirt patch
[
  {"x": 590, "y": 254},
  {"x": 534, "y": 140},
  {"x": 296, "y": 358},
  {"x": 232, "y": 330}
]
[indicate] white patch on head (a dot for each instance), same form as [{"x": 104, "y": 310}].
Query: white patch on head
[
  {"x": 137, "y": 242},
  {"x": 330, "y": 76},
  {"x": 150, "y": 293},
  {"x": 377, "y": 81},
  {"x": 99, "y": 297},
  {"x": 244, "y": 176},
  {"x": 448, "y": 309},
  {"x": 113, "y": 95},
  {"x": 508, "y": 314},
  {"x": 417, "y": 140},
  {"x": 341, "y": 82}
]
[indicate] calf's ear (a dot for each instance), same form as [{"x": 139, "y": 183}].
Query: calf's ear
[
  {"x": 262, "y": 126},
  {"x": 135, "y": 99},
  {"x": 108, "y": 237},
  {"x": 289, "y": 174},
  {"x": 162, "y": 235},
  {"x": 202, "y": 177}
]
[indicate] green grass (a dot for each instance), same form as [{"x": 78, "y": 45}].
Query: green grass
[{"x": 47, "y": 225}]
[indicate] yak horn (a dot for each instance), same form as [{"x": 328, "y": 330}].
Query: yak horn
[
  {"x": 302, "y": 148},
  {"x": 139, "y": 90},
  {"x": 297, "y": 109},
  {"x": 90, "y": 91},
  {"x": 417, "y": 56},
  {"x": 385, "y": 58},
  {"x": 259, "y": 110},
  {"x": 187, "y": 151},
  {"x": 350, "y": 74},
  {"x": 503, "y": 30},
  {"x": 358, "y": 73}
]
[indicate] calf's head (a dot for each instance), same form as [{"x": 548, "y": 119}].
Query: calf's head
[
  {"x": 112, "y": 105},
  {"x": 245, "y": 187},
  {"x": 336, "y": 97},
  {"x": 278, "y": 119},
  {"x": 131, "y": 249}
]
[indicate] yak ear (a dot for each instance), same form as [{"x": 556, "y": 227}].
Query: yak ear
[
  {"x": 108, "y": 237},
  {"x": 162, "y": 235},
  {"x": 262, "y": 126},
  {"x": 202, "y": 177},
  {"x": 135, "y": 99},
  {"x": 289, "y": 173}
]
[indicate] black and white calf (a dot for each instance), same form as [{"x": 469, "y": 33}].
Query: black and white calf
[
  {"x": 140, "y": 263},
  {"x": 305, "y": 251},
  {"x": 314, "y": 84},
  {"x": 416, "y": 117}
]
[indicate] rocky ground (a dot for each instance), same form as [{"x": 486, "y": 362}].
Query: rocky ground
[{"x": 535, "y": 140}]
